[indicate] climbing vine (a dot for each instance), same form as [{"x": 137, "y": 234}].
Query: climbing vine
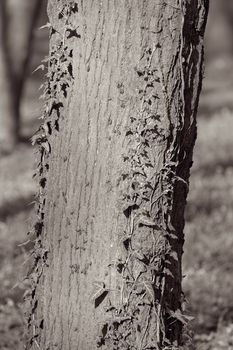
[
  {"x": 145, "y": 311},
  {"x": 56, "y": 93},
  {"x": 148, "y": 262}
]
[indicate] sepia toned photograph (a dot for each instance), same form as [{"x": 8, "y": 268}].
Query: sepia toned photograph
[{"x": 116, "y": 175}]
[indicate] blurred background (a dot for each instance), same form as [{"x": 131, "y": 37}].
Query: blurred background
[{"x": 208, "y": 258}]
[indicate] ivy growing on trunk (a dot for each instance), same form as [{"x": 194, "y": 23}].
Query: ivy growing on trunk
[{"x": 115, "y": 151}]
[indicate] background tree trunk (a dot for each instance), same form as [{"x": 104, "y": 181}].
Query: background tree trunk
[
  {"x": 7, "y": 137},
  {"x": 23, "y": 16},
  {"x": 18, "y": 21},
  {"x": 115, "y": 153}
]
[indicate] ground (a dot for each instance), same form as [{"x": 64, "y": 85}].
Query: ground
[{"x": 208, "y": 259}]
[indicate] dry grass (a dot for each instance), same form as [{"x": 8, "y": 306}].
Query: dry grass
[
  {"x": 15, "y": 208},
  {"x": 208, "y": 259}
]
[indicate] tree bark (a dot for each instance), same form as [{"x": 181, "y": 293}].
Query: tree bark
[{"x": 116, "y": 146}]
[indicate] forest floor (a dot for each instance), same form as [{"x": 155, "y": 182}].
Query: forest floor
[{"x": 208, "y": 258}]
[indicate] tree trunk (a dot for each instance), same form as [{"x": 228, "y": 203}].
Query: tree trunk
[
  {"x": 116, "y": 147},
  {"x": 23, "y": 16},
  {"x": 17, "y": 21},
  {"x": 7, "y": 136}
]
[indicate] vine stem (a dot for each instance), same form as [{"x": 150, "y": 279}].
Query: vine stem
[
  {"x": 160, "y": 309},
  {"x": 146, "y": 328}
]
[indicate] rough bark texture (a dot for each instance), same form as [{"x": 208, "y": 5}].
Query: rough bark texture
[{"x": 116, "y": 147}]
